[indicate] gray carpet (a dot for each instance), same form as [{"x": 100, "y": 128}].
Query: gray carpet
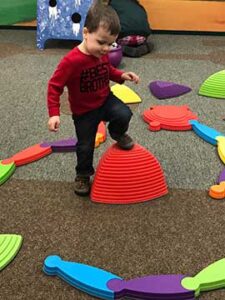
[{"x": 179, "y": 233}]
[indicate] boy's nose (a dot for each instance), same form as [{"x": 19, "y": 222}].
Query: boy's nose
[{"x": 106, "y": 48}]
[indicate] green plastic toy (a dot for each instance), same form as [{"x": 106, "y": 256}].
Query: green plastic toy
[
  {"x": 9, "y": 247},
  {"x": 6, "y": 171},
  {"x": 214, "y": 86},
  {"x": 210, "y": 278}
]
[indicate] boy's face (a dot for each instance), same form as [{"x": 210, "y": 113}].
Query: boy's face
[{"x": 98, "y": 43}]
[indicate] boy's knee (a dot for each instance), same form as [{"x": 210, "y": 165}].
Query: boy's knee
[{"x": 125, "y": 115}]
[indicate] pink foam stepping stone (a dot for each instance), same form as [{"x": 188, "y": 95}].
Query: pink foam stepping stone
[
  {"x": 65, "y": 145},
  {"x": 166, "y": 89},
  {"x": 28, "y": 155}
]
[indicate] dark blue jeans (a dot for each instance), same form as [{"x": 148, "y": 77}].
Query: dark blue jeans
[{"x": 113, "y": 111}]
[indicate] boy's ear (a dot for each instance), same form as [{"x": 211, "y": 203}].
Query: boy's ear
[{"x": 85, "y": 32}]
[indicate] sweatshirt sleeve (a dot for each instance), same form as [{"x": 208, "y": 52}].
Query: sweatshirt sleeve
[
  {"x": 115, "y": 74},
  {"x": 56, "y": 86}
]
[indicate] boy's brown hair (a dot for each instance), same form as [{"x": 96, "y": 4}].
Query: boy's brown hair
[{"x": 102, "y": 15}]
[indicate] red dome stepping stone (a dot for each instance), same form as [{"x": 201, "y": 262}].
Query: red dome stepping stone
[
  {"x": 128, "y": 176},
  {"x": 169, "y": 117},
  {"x": 28, "y": 155},
  {"x": 166, "y": 89}
]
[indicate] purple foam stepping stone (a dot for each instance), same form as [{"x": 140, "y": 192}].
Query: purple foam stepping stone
[
  {"x": 67, "y": 145},
  {"x": 157, "y": 287},
  {"x": 221, "y": 176},
  {"x": 166, "y": 89}
]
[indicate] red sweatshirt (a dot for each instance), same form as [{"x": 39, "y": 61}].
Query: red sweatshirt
[{"x": 87, "y": 79}]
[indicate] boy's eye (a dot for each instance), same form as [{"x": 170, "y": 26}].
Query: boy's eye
[{"x": 104, "y": 43}]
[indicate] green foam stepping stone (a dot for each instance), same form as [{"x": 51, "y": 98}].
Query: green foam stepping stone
[
  {"x": 210, "y": 278},
  {"x": 214, "y": 86},
  {"x": 9, "y": 247},
  {"x": 6, "y": 170}
]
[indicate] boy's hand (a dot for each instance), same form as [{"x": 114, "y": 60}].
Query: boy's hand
[
  {"x": 130, "y": 76},
  {"x": 53, "y": 123}
]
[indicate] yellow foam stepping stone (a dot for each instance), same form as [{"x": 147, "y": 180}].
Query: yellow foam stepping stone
[
  {"x": 6, "y": 171},
  {"x": 9, "y": 247},
  {"x": 221, "y": 147},
  {"x": 125, "y": 94}
]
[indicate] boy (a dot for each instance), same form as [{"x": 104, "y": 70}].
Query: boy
[{"x": 86, "y": 72}]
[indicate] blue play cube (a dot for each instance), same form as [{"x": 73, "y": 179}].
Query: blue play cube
[{"x": 60, "y": 19}]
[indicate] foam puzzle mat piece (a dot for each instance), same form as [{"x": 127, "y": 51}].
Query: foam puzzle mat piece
[
  {"x": 65, "y": 145},
  {"x": 6, "y": 171},
  {"x": 124, "y": 177},
  {"x": 125, "y": 94},
  {"x": 210, "y": 278},
  {"x": 28, "y": 155},
  {"x": 89, "y": 279},
  {"x": 166, "y": 89},
  {"x": 10, "y": 245},
  {"x": 169, "y": 117}
]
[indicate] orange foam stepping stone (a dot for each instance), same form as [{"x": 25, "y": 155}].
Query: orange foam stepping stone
[
  {"x": 217, "y": 191},
  {"x": 101, "y": 134},
  {"x": 28, "y": 155},
  {"x": 169, "y": 117},
  {"x": 128, "y": 176}
]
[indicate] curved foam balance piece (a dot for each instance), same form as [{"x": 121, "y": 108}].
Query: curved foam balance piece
[
  {"x": 28, "y": 155},
  {"x": 89, "y": 279},
  {"x": 221, "y": 176},
  {"x": 206, "y": 133},
  {"x": 169, "y": 117},
  {"x": 10, "y": 245},
  {"x": 166, "y": 89},
  {"x": 210, "y": 278},
  {"x": 214, "y": 86},
  {"x": 221, "y": 147},
  {"x": 125, "y": 94},
  {"x": 128, "y": 176},
  {"x": 6, "y": 171},
  {"x": 152, "y": 287},
  {"x": 66, "y": 145},
  {"x": 217, "y": 191},
  {"x": 101, "y": 134}
]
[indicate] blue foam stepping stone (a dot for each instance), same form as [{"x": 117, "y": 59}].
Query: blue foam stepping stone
[
  {"x": 206, "y": 133},
  {"x": 88, "y": 279}
]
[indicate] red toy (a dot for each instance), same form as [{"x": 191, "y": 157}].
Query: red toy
[
  {"x": 170, "y": 117},
  {"x": 128, "y": 176}
]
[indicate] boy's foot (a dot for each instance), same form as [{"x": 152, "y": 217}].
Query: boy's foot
[
  {"x": 125, "y": 142},
  {"x": 82, "y": 186}
]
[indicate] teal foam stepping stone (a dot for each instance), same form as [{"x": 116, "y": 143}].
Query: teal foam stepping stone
[
  {"x": 6, "y": 170},
  {"x": 9, "y": 247},
  {"x": 214, "y": 86}
]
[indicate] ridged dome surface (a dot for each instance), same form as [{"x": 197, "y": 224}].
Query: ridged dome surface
[
  {"x": 128, "y": 176},
  {"x": 214, "y": 86}
]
